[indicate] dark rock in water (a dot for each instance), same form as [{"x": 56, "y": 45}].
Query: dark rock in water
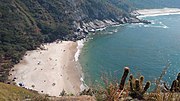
[
  {"x": 133, "y": 20},
  {"x": 145, "y": 21},
  {"x": 137, "y": 20},
  {"x": 83, "y": 28}
]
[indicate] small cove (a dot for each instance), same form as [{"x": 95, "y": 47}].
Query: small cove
[{"x": 146, "y": 49}]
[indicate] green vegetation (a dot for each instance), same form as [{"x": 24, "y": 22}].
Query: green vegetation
[
  {"x": 25, "y": 24},
  {"x": 136, "y": 87},
  {"x": 17, "y": 35}
]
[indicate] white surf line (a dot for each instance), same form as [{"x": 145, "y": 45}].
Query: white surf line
[
  {"x": 157, "y": 12},
  {"x": 79, "y": 47}
]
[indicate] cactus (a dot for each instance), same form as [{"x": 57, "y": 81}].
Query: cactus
[
  {"x": 175, "y": 86},
  {"x": 123, "y": 79},
  {"x": 141, "y": 80},
  {"x": 178, "y": 77},
  {"x": 136, "y": 87},
  {"x": 146, "y": 87},
  {"x": 114, "y": 92}
]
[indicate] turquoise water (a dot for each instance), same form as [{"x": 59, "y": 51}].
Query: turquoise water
[{"x": 145, "y": 49}]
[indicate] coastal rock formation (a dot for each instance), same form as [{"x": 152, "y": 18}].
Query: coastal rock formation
[{"x": 83, "y": 28}]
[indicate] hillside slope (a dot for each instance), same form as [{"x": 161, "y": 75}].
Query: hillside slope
[
  {"x": 14, "y": 93},
  {"x": 25, "y": 24}
]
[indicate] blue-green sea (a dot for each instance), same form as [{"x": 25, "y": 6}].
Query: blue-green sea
[{"x": 145, "y": 49}]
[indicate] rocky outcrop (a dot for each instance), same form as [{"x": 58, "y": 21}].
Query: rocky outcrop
[{"x": 83, "y": 28}]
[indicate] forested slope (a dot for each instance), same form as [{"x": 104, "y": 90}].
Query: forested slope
[{"x": 25, "y": 24}]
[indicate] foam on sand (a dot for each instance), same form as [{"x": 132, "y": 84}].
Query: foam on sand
[
  {"x": 79, "y": 47},
  {"x": 80, "y": 44}
]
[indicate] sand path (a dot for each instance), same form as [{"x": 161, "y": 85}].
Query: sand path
[{"x": 157, "y": 12}]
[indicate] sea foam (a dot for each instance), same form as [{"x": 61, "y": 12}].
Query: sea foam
[{"x": 79, "y": 47}]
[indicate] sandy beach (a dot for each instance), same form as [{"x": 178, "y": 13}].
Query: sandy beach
[
  {"x": 51, "y": 70},
  {"x": 157, "y": 12}
]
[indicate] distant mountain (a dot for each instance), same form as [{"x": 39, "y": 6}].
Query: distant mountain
[{"x": 142, "y": 4}]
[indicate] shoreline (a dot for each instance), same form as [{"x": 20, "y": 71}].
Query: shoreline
[
  {"x": 51, "y": 70},
  {"x": 156, "y": 12},
  {"x": 80, "y": 45}
]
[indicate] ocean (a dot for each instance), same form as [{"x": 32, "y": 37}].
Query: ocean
[{"x": 145, "y": 48}]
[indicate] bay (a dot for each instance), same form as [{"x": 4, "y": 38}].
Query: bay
[{"x": 145, "y": 49}]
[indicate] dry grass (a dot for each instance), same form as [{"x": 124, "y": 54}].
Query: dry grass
[
  {"x": 162, "y": 96},
  {"x": 136, "y": 90},
  {"x": 14, "y": 93}
]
